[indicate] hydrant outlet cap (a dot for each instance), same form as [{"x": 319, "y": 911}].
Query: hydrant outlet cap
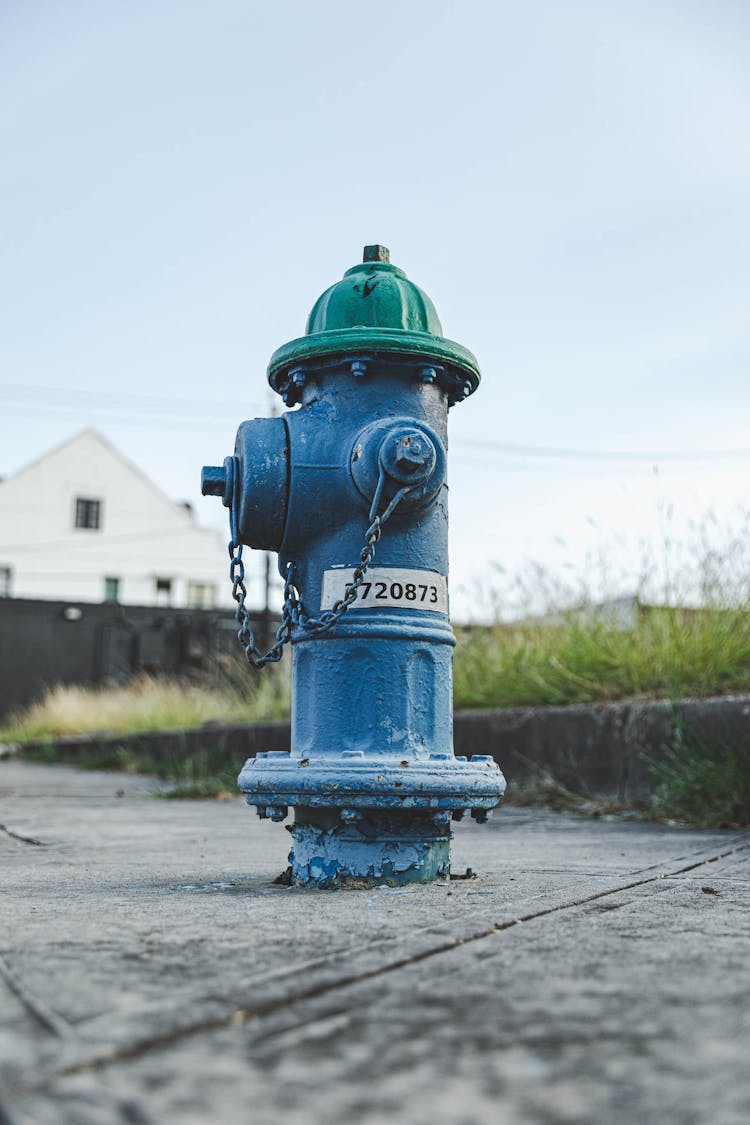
[{"x": 375, "y": 308}]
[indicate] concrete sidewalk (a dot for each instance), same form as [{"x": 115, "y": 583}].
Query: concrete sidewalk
[{"x": 151, "y": 972}]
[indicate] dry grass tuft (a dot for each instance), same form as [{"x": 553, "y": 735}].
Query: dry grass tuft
[{"x": 148, "y": 703}]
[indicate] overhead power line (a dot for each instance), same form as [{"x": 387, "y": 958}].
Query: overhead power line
[
  {"x": 118, "y": 400},
  {"x": 183, "y": 423},
  {"x": 513, "y": 467},
  {"x": 182, "y": 413},
  {"x": 556, "y": 453}
]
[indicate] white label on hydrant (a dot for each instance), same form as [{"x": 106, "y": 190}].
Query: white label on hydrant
[{"x": 388, "y": 587}]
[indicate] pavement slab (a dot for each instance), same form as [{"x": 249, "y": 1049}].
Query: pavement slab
[{"x": 151, "y": 970}]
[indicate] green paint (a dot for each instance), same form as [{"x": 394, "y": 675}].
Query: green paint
[{"x": 374, "y": 309}]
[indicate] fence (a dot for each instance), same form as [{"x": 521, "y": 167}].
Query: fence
[{"x": 48, "y": 642}]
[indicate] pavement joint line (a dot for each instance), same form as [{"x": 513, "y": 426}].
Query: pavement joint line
[
  {"x": 240, "y": 1016},
  {"x": 615, "y": 890},
  {"x": 22, "y": 839},
  {"x": 44, "y": 1015},
  {"x": 736, "y": 840}
]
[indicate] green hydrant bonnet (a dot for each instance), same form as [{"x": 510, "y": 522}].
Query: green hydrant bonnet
[{"x": 373, "y": 310}]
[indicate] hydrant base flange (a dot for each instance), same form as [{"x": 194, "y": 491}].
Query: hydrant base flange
[
  {"x": 369, "y": 849},
  {"x": 352, "y": 780}
]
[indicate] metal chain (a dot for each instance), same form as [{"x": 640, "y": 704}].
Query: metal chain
[
  {"x": 245, "y": 634},
  {"x": 293, "y": 613}
]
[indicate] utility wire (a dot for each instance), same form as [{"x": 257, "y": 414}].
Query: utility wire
[
  {"x": 554, "y": 452},
  {"x": 581, "y": 469},
  {"x": 117, "y": 399},
  {"x": 144, "y": 406},
  {"x": 186, "y": 424}
]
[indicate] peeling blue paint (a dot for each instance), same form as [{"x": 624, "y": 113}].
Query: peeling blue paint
[{"x": 376, "y": 849}]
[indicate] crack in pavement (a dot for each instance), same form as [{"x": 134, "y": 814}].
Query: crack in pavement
[
  {"x": 738, "y": 840},
  {"x": 44, "y": 1016},
  {"x": 23, "y": 839},
  {"x": 241, "y": 1016}
]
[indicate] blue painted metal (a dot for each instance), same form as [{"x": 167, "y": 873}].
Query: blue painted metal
[{"x": 371, "y": 773}]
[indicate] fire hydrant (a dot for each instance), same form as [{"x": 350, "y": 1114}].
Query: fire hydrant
[{"x": 350, "y": 490}]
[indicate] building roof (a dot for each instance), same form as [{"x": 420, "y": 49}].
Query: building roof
[{"x": 91, "y": 435}]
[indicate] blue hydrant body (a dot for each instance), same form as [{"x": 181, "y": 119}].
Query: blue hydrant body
[{"x": 350, "y": 490}]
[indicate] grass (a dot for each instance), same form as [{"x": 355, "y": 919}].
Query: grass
[
  {"x": 684, "y": 633},
  {"x": 667, "y": 654},
  {"x": 148, "y": 703},
  {"x": 703, "y": 783},
  {"x": 202, "y": 774},
  {"x": 151, "y": 703}
]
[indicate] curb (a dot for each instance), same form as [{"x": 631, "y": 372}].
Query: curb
[
  {"x": 596, "y": 750},
  {"x": 599, "y": 750}
]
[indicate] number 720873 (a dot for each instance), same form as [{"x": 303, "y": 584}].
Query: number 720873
[{"x": 389, "y": 587}]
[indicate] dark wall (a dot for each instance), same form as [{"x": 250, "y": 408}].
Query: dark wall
[{"x": 44, "y": 643}]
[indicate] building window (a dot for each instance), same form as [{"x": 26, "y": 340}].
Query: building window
[
  {"x": 88, "y": 513},
  {"x": 201, "y": 595},
  {"x": 163, "y": 591},
  {"x": 6, "y": 575},
  {"x": 111, "y": 589}
]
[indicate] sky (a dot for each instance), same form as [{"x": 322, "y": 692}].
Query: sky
[{"x": 568, "y": 180}]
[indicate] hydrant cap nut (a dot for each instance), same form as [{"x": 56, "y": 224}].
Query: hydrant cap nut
[
  {"x": 408, "y": 456},
  {"x": 376, "y": 254},
  {"x": 409, "y": 451},
  {"x": 212, "y": 480},
  {"x": 218, "y": 480}
]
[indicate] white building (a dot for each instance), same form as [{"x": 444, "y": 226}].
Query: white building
[{"x": 84, "y": 524}]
